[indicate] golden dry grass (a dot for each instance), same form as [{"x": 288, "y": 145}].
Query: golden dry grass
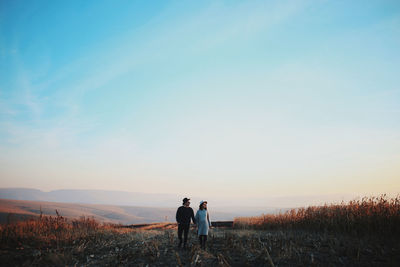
[
  {"x": 373, "y": 215},
  {"x": 52, "y": 231}
]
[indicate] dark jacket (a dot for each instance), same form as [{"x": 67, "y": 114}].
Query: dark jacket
[{"x": 183, "y": 215}]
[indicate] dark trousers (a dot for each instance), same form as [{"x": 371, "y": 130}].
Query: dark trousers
[
  {"x": 183, "y": 228},
  {"x": 203, "y": 240}
]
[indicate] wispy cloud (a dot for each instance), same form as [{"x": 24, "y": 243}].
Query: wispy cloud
[{"x": 124, "y": 54}]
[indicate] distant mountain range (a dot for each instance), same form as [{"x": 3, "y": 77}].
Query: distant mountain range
[{"x": 92, "y": 197}]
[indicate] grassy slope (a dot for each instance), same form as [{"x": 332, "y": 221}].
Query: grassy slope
[{"x": 20, "y": 209}]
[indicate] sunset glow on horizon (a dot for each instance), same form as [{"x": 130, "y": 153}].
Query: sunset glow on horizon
[{"x": 235, "y": 99}]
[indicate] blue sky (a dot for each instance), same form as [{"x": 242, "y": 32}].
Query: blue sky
[{"x": 235, "y": 98}]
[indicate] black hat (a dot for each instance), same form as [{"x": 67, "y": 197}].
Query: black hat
[{"x": 185, "y": 200}]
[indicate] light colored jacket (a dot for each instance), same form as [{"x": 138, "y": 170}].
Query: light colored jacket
[{"x": 203, "y": 222}]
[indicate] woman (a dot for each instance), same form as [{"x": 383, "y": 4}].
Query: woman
[{"x": 203, "y": 223}]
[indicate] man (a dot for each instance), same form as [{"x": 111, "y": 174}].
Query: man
[{"x": 183, "y": 216}]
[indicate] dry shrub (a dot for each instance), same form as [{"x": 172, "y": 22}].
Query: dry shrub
[
  {"x": 51, "y": 231},
  {"x": 373, "y": 215}
]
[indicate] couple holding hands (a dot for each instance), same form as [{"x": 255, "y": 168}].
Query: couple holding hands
[{"x": 183, "y": 216}]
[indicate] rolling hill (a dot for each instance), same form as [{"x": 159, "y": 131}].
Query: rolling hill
[{"x": 14, "y": 210}]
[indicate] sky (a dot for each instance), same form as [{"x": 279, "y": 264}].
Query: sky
[{"x": 235, "y": 99}]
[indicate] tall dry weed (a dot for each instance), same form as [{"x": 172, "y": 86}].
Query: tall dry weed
[
  {"x": 49, "y": 231},
  {"x": 373, "y": 215}
]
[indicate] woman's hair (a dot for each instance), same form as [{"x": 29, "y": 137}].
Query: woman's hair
[{"x": 200, "y": 206}]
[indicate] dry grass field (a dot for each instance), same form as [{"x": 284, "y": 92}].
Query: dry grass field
[
  {"x": 368, "y": 216},
  {"x": 261, "y": 241}
]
